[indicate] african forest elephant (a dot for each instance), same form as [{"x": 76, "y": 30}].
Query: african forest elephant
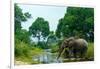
[{"x": 76, "y": 47}]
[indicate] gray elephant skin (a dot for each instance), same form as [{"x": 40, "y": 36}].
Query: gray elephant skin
[{"x": 77, "y": 47}]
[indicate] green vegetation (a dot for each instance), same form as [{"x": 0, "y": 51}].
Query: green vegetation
[
  {"x": 24, "y": 49},
  {"x": 90, "y": 52},
  {"x": 54, "y": 48},
  {"x": 39, "y": 28},
  {"x": 76, "y": 22},
  {"x": 24, "y": 52}
]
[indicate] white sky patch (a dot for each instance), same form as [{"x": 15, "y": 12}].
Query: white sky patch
[{"x": 52, "y": 14}]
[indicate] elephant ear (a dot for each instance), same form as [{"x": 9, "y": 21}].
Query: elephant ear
[
  {"x": 71, "y": 41},
  {"x": 64, "y": 45}
]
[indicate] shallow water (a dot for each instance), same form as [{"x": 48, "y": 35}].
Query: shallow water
[{"x": 47, "y": 57}]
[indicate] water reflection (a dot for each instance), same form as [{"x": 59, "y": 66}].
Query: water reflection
[{"x": 47, "y": 57}]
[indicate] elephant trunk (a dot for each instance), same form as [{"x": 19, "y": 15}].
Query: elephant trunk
[
  {"x": 63, "y": 45},
  {"x": 60, "y": 52}
]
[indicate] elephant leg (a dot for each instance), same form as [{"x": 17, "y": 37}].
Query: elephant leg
[
  {"x": 75, "y": 53},
  {"x": 83, "y": 53},
  {"x": 70, "y": 53}
]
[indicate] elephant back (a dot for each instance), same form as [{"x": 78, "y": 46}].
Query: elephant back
[
  {"x": 81, "y": 42},
  {"x": 78, "y": 44}
]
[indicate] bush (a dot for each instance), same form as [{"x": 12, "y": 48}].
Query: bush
[
  {"x": 22, "y": 49},
  {"x": 54, "y": 48},
  {"x": 90, "y": 52},
  {"x": 42, "y": 45},
  {"x": 24, "y": 52}
]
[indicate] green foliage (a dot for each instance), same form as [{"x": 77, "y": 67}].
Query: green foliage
[
  {"x": 23, "y": 35},
  {"x": 76, "y": 22},
  {"x": 22, "y": 38},
  {"x": 36, "y": 51},
  {"x": 52, "y": 39},
  {"x": 24, "y": 52},
  {"x": 42, "y": 44},
  {"x": 90, "y": 52},
  {"x": 21, "y": 49},
  {"x": 39, "y": 28},
  {"x": 19, "y": 17},
  {"x": 54, "y": 48}
]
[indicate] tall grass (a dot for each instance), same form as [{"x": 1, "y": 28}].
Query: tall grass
[
  {"x": 24, "y": 52},
  {"x": 90, "y": 51}
]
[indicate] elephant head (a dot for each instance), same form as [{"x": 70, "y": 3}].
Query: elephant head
[{"x": 65, "y": 44}]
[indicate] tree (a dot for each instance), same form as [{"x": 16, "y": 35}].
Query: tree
[
  {"x": 19, "y": 17},
  {"x": 51, "y": 38},
  {"x": 39, "y": 28},
  {"x": 23, "y": 35},
  {"x": 76, "y": 22}
]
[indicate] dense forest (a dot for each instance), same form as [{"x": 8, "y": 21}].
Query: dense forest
[{"x": 77, "y": 22}]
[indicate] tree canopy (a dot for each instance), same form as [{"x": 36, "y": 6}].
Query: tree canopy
[
  {"x": 76, "y": 22},
  {"x": 39, "y": 28},
  {"x": 19, "y": 17}
]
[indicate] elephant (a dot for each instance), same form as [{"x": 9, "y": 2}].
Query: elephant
[{"x": 77, "y": 47}]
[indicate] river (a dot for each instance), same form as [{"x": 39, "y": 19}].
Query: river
[{"x": 47, "y": 57}]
